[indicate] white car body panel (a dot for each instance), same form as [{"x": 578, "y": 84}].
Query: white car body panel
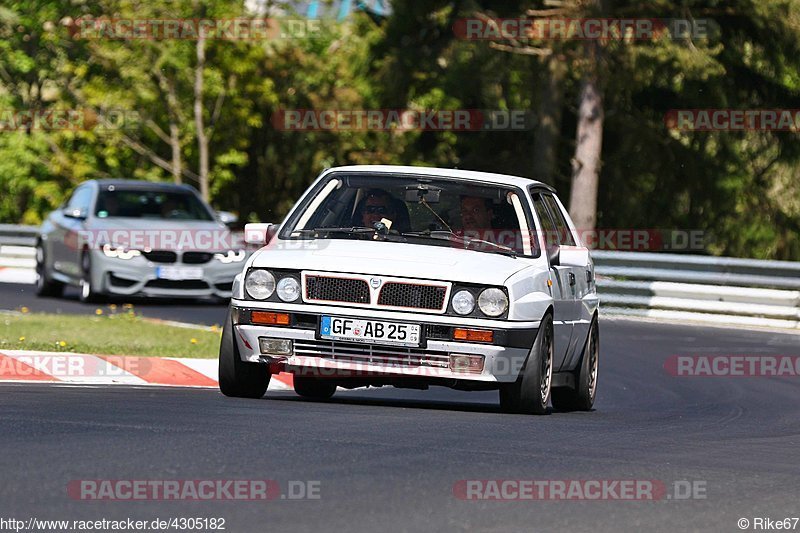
[{"x": 532, "y": 286}]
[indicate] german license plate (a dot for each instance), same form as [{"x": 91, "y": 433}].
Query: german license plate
[
  {"x": 369, "y": 331},
  {"x": 177, "y": 273}
]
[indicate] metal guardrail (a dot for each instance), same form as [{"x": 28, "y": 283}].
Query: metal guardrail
[
  {"x": 722, "y": 290},
  {"x": 14, "y": 235}
]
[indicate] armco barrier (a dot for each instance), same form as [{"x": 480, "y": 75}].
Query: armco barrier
[
  {"x": 723, "y": 290},
  {"x": 14, "y": 235}
]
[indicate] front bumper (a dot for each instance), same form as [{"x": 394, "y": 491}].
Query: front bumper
[
  {"x": 313, "y": 355},
  {"x": 137, "y": 276}
]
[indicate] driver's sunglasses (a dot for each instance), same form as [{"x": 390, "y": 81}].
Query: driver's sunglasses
[{"x": 376, "y": 210}]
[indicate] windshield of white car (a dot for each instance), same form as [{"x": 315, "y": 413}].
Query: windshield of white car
[
  {"x": 417, "y": 210},
  {"x": 150, "y": 204}
]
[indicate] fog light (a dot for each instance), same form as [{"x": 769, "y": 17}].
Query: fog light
[
  {"x": 264, "y": 318},
  {"x": 470, "y": 364},
  {"x": 475, "y": 335},
  {"x": 275, "y": 346}
]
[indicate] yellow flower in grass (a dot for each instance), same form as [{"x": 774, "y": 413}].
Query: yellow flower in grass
[
  {"x": 193, "y": 341},
  {"x": 23, "y": 309},
  {"x": 22, "y": 339},
  {"x": 98, "y": 311},
  {"x": 61, "y": 343}
]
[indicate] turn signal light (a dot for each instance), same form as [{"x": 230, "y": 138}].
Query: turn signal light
[
  {"x": 264, "y": 318},
  {"x": 475, "y": 335}
]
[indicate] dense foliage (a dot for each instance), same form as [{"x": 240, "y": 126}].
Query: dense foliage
[{"x": 137, "y": 100}]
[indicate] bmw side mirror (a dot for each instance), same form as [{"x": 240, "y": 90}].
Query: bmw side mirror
[
  {"x": 227, "y": 218},
  {"x": 78, "y": 214}
]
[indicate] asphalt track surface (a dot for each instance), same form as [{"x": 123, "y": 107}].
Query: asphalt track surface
[
  {"x": 388, "y": 459},
  {"x": 13, "y": 296}
]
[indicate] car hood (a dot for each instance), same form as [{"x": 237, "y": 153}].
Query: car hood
[
  {"x": 390, "y": 259},
  {"x": 178, "y": 235}
]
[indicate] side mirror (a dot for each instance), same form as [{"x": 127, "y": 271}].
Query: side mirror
[
  {"x": 259, "y": 233},
  {"x": 570, "y": 256},
  {"x": 227, "y": 218},
  {"x": 78, "y": 214}
]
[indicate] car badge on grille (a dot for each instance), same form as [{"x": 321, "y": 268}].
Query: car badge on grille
[{"x": 375, "y": 282}]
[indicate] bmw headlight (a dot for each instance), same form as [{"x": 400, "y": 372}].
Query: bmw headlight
[
  {"x": 119, "y": 252},
  {"x": 288, "y": 289},
  {"x": 259, "y": 284},
  {"x": 232, "y": 256},
  {"x": 493, "y": 302},
  {"x": 463, "y": 302}
]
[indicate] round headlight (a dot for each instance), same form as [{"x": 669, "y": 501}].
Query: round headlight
[
  {"x": 493, "y": 302},
  {"x": 463, "y": 302},
  {"x": 288, "y": 289},
  {"x": 259, "y": 284}
]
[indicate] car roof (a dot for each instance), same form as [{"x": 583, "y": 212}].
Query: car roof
[
  {"x": 141, "y": 184},
  {"x": 399, "y": 170}
]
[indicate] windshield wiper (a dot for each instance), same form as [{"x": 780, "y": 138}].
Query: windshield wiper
[
  {"x": 466, "y": 241},
  {"x": 355, "y": 230}
]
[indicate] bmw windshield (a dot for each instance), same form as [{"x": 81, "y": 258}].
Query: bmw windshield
[{"x": 150, "y": 204}]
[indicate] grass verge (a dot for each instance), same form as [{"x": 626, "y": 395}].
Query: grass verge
[{"x": 105, "y": 334}]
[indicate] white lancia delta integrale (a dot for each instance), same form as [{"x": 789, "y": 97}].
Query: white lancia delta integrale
[{"x": 412, "y": 277}]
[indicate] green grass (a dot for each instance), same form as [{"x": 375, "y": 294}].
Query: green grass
[{"x": 109, "y": 333}]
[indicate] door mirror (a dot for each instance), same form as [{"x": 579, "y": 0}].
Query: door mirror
[
  {"x": 259, "y": 233},
  {"x": 570, "y": 256},
  {"x": 78, "y": 214},
  {"x": 227, "y": 218}
]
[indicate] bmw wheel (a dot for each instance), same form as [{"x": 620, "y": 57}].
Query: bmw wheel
[
  {"x": 44, "y": 285},
  {"x": 89, "y": 293}
]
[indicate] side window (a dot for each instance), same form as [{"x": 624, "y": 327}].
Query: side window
[
  {"x": 548, "y": 227},
  {"x": 564, "y": 234},
  {"x": 80, "y": 200}
]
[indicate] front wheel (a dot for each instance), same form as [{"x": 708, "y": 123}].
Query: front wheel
[
  {"x": 581, "y": 398},
  {"x": 531, "y": 392},
  {"x": 44, "y": 285},
  {"x": 314, "y": 388},
  {"x": 89, "y": 293},
  {"x": 237, "y": 378}
]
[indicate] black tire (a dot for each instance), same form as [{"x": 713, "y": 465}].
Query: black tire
[
  {"x": 314, "y": 388},
  {"x": 531, "y": 392},
  {"x": 238, "y": 378},
  {"x": 581, "y": 398},
  {"x": 44, "y": 285},
  {"x": 88, "y": 292}
]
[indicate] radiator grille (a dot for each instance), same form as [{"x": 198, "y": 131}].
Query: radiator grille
[
  {"x": 413, "y": 295},
  {"x": 161, "y": 256},
  {"x": 337, "y": 289}
]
